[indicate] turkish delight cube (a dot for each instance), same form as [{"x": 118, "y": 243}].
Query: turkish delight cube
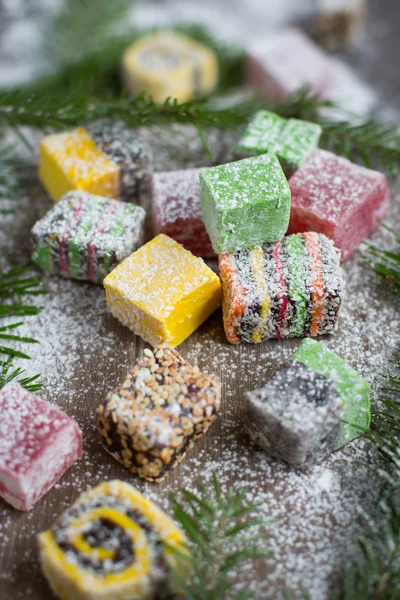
[
  {"x": 284, "y": 62},
  {"x": 153, "y": 418},
  {"x": 169, "y": 64},
  {"x": 292, "y": 140},
  {"x": 292, "y": 288},
  {"x": 113, "y": 544},
  {"x": 333, "y": 196},
  {"x": 38, "y": 443},
  {"x": 353, "y": 389},
  {"x": 86, "y": 236},
  {"x": 295, "y": 417},
  {"x": 106, "y": 159},
  {"x": 245, "y": 203},
  {"x": 177, "y": 210},
  {"x": 163, "y": 292},
  {"x": 339, "y": 22}
]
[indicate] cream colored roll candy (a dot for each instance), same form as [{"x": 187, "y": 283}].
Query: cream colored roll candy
[{"x": 167, "y": 64}]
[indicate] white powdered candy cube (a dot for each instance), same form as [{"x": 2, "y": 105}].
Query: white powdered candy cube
[
  {"x": 38, "y": 443},
  {"x": 286, "y": 61}
]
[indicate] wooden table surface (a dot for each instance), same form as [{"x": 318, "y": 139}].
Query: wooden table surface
[{"x": 84, "y": 352}]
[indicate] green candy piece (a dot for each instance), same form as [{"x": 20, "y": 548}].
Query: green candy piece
[
  {"x": 43, "y": 258},
  {"x": 354, "y": 390},
  {"x": 291, "y": 140},
  {"x": 245, "y": 203},
  {"x": 297, "y": 277}
]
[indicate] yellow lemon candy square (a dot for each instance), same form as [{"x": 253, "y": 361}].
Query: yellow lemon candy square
[
  {"x": 72, "y": 161},
  {"x": 163, "y": 292}
]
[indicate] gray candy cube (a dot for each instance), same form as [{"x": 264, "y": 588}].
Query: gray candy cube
[{"x": 295, "y": 417}]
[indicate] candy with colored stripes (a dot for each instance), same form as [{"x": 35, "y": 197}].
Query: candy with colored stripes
[
  {"x": 177, "y": 210},
  {"x": 245, "y": 203},
  {"x": 163, "y": 292},
  {"x": 291, "y": 140},
  {"x": 169, "y": 64},
  {"x": 38, "y": 443},
  {"x": 295, "y": 417},
  {"x": 310, "y": 408},
  {"x": 86, "y": 236},
  {"x": 153, "y": 418},
  {"x": 106, "y": 159},
  {"x": 292, "y": 288},
  {"x": 333, "y": 196},
  {"x": 113, "y": 544},
  {"x": 286, "y": 61}
]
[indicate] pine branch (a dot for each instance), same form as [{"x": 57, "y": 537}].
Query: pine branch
[
  {"x": 386, "y": 263},
  {"x": 14, "y": 285},
  {"x": 218, "y": 527}
]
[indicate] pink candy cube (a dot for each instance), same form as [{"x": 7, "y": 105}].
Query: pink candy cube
[
  {"x": 38, "y": 443},
  {"x": 286, "y": 61},
  {"x": 177, "y": 210},
  {"x": 333, "y": 196}
]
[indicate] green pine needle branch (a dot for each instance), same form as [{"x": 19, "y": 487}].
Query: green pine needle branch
[
  {"x": 223, "y": 534},
  {"x": 14, "y": 285},
  {"x": 386, "y": 262}
]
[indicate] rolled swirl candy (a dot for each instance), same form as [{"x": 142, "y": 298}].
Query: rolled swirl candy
[
  {"x": 168, "y": 64},
  {"x": 110, "y": 545},
  {"x": 292, "y": 288}
]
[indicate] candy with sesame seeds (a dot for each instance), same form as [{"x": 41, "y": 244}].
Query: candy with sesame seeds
[
  {"x": 291, "y": 140},
  {"x": 113, "y": 544},
  {"x": 295, "y": 417},
  {"x": 38, "y": 443},
  {"x": 86, "y": 236},
  {"x": 284, "y": 62},
  {"x": 333, "y": 196},
  {"x": 163, "y": 292},
  {"x": 177, "y": 210},
  {"x": 169, "y": 64},
  {"x": 245, "y": 203},
  {"x": 106, "y": 159},
  {"x": 292, "y": 288},
  {"x": 153, "y": 418}
]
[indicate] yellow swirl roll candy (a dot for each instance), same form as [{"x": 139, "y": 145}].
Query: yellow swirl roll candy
[
  {"x": 111, "y": 544},
  {"x": 168, "y": 64}
]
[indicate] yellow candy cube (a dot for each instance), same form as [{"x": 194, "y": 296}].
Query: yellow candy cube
[
  {"x": 167, "y": 64},
  {"x": 111, "y": 544},
  {"x": 163, "y": 292},
  {"x": 72, "y": 161}
]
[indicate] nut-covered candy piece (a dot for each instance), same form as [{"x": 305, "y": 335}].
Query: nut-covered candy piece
[{"x": 153, "y": 418}]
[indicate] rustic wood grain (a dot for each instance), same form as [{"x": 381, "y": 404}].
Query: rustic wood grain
[{"x": 243, "y": 368}]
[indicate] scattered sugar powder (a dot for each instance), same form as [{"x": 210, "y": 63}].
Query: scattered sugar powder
[{"x": 84, "y": 353}]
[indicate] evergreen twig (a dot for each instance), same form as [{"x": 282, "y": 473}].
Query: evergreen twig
[
  {"x": 386, "y": 262},
  {"x": 218, "y": 527}
]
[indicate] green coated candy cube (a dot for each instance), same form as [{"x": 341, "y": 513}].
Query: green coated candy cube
[
  {"x": 245, "y": 203},
  {"x": 353, "y": 389},
  {"x": 291, "y": 140}
]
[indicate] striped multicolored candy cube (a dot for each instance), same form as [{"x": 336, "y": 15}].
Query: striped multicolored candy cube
[
  {"x": 284, "y": 62},
  {"x": 168, "y": 64},
  {"x": 177, "y": 210},
  {"x": 163, "y": 292},
  {"x": 333, "y": 196},
  {"x": 106, "y": 158},
  {"x": 112, "y": 544},
  {"x": 310, "y": 408},
  {"x": 291, "y": 140},
  {"x": 291, "y": 288},
  {"x": 86, "y": 236},
  {"x": 245, "y": 203}
]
